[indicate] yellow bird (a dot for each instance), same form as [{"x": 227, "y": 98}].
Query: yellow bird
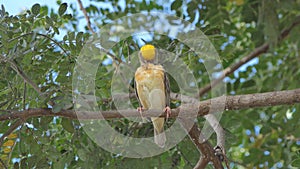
[{"x": 153, "y": 89}]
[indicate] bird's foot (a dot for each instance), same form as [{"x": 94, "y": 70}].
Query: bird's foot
[
  {"x": 140, "y": 110},
  {"x": 220, "y": 152},
  {"x": 168, "y": 111}
]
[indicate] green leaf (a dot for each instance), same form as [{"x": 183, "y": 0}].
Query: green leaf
[
  {"x": 55, "y": 29},
  {"x": 35, "y": 9},
  {"x": 67, "y": 16},
  {"x": 79, "y": 36},
  {"x": 296, "y": 163},
  {"x": 82, "y": 154},
  {"x": 45, "y": 122},
  {"x": 2, "y": 10},
  {"x": 62, "y": 8},
  {"x": 248, "y": 83},
  {"x": 67, "y": 125},
  {"x": 24, "y": 163},
  {"x": 176, "y": 4},
  {"x": 57, "y": 108},
  {"x": 49, "y": 21}
]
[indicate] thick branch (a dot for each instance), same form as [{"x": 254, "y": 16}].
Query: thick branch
[
  {"x": 257, "y": 51},
  {"x": 206, "y": 149},
  {"x": 287, "y": 97}
]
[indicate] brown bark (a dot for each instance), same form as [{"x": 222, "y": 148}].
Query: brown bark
[{"x": 287, "y": 97}]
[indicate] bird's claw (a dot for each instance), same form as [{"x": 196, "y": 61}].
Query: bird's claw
[
  {"x": 167, "y": 110},
  {"x": 219, "y": 152},
  {"x": 140, "y": 110}
]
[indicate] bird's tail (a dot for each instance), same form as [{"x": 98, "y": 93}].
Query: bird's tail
[
  {"x": 159, "y": 134},
  {"x": 157, "y": 100}
]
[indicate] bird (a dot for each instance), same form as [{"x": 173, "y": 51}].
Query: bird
[{"x": 152, "y": 88}]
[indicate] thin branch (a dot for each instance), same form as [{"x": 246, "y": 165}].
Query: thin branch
[
  {"x": 11, "y": 151},
  {"x": 38, "y": 34},
  {"x": 88, "y": 20},
  {"x": 24, "y": 96},
  {"x": 15, "y": 67},
  {"x": 183, "y": 98},
  {"x": 3, "y": 164},
  {"x": 11, "y": 129},
  {"x": 111, "y": 55},
  {"x": 54, "y": 41},
  {"x": 257, "y": 51},
  {"x": 287, "y": 97},
  {"x": 286, "y": 32},
  {"x": 86, "y": 16}
]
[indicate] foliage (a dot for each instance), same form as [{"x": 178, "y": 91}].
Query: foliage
[{"x": 44, "y": 43}]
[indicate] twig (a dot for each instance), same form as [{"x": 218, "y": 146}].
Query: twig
[
  {"x": 262, "y": 49},
  {"x": 226, "y": 162},
  {"x": 24, "y": 96},
  {"x": 111, "y": 55},
  {"x": 11, "y": 129},
  {"x": 38, "y": 34},
  {"x": 3, "y": 164},
  {"x": 287, "y": 97},
  {"x": 86, "y": 16},
  {"x": 11, "y": 152},
  {"x": 257, "y": 51},
  {"x": 14, "y": 66},
  {"x": 54, "y": 41}
]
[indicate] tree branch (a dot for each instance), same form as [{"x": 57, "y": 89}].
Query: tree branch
[
  {"x": 88, "y": 20},
  {"x": 16, "y": 68},
  {"x": 86, "y": 16},
  {"x": 39, "y": 34},
  {"x": 3, "y": 164},
  {"x": 206, "y": 149},
  {"x": 209, "y": 154},
  {"x": 11, "y": 129},
  {"x": 287, "y": 97},
  {"x": 257, "y": 51}
]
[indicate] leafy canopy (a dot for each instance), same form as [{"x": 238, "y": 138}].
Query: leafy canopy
[{"x": 43, "y": 43}]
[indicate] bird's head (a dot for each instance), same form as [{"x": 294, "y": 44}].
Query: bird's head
[{"x": 147, "y": 54}]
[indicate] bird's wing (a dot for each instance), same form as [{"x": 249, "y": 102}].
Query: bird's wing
[
  {"x": 167, "y": 89},
  {"x": 136, "y": 94},
  {"x": 151, "y": 90},
  {"x": 157, "y": 101}
]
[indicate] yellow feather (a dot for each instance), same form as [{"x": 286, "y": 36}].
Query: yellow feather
[
  {"x": 151, "y": 91},
  {"x": 148, "y": 52}
]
